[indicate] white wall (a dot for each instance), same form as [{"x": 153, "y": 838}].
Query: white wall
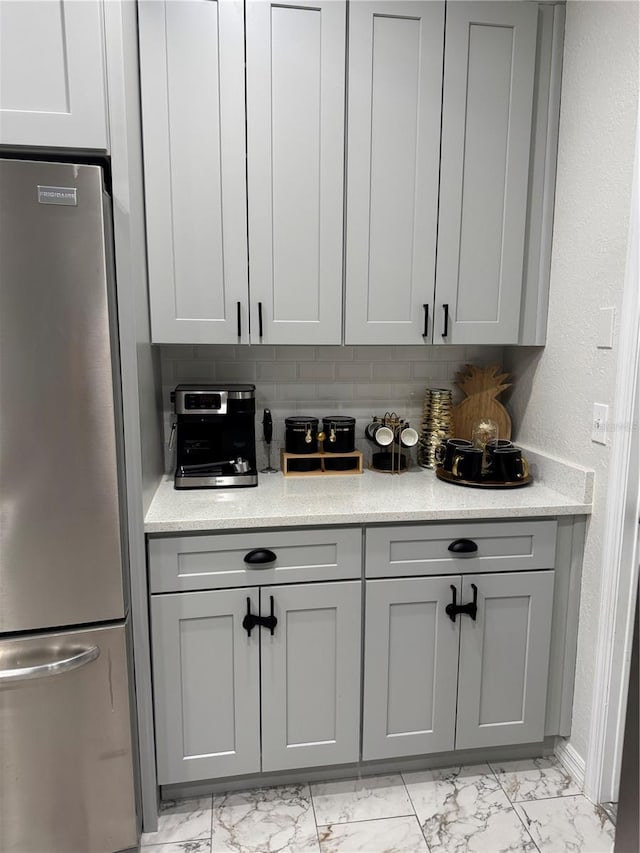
[{"x": 555, "y": 388}]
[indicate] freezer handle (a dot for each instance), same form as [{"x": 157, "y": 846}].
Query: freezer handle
[{"x": 74, "y": 660}]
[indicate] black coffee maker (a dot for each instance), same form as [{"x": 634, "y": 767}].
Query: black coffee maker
[{"x": 215, "y": 436}]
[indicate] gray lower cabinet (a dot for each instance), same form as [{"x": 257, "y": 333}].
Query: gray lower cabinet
[
  {"x": 206, "y": 674},
  {"x": 432, "y": 684},
  {"x": 217, "y": 685},
  {"x": 311, "y": 676}
]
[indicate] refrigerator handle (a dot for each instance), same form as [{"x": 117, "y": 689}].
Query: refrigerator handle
[{"x": 54, "y": 667}]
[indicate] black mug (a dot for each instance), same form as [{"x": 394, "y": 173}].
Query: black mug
[
  {"x": 467, "y": 464},
  {"x": 489, "y": 450},
  {"x": 446, "y": 452},
  {"x": 509, "y": 465}
]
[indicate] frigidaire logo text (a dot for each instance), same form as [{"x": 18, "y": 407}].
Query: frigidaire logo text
[{"x": 57, "y": 195}]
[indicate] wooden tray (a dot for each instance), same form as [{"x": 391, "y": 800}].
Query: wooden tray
[
  {"x": 448, "y": 477},
  {"x": 285, "y": 458}
]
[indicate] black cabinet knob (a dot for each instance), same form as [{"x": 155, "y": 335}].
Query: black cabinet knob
[
  {"x": 259, "y": 557},
  {"x": 463, "y": 546}
]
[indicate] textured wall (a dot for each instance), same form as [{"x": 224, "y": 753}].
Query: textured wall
[{"x": 556, "y": 387}]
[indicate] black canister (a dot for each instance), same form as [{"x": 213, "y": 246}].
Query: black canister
[
  {"x": 301, "y": 436},
  {"x": 340, "y": 437}
]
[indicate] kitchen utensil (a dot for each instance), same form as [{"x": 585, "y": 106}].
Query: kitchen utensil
[
  {"x": 467, "y": 464},
  {"x": 380, "y": 433},
  {"x": 267, "y": 432},
  {"x": 449, "y": 450}
]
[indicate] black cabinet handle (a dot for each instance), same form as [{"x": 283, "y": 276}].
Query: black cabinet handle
[
  {"x": 270, "y": 621},
  {"x": 260, "y": 319},
  {"x": 446, "y": 320},
  {"x": 260, "y": 556},
  {"x": 251, "y": 619},
  {"x": 463, "y": 546},
  {"x": 469, "y": 609},
  {"x": 239, "y": 320},
  {"x": 426, "y": 321}
]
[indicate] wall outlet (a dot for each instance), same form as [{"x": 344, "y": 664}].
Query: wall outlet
[{"x": 600, "y": 423}]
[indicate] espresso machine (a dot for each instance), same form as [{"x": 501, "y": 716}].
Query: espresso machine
[{"x": 214, "y": 436}]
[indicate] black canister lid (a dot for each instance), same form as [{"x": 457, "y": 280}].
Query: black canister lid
[
  {"x": 339, "y": 420},
  {"x": 300, "y": 421}
]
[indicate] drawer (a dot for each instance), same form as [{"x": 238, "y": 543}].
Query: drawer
[
  {"x": 503, "y": 546},
  {"x": 217, "y": 561}
]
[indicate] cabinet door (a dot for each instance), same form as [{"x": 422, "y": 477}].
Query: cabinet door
[
  {"x": 206, "y": 681},
  {"x": 192, "y": 79},
  {"x": 504, "y": 659},
  {"x": 410, "y": 667},
  {"x": 395, "y": 90},
  {"x": 486, "y": 133},
  {"x": 311, "y": 675},
  {"x": 295, "y": 144},
  {"x": 52, "y": 74}
]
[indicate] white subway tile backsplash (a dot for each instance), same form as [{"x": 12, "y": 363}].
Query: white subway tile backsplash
[
  {"x": 263, "y": 352},
  {"x": 319, "y": 381},
  {"x": 335, "y": 353},
  {"x": 354, "y": 370},
  {"x": 391, "y": 370},
  {"x": 276, "y": 371},
  {"x": 341, "y": 392},
  {"x": 193, "y": 371},
  {"x": 235, "y": 371},
  {"x": 316, "y": 370},
  {"x": 295, "y": 353}
]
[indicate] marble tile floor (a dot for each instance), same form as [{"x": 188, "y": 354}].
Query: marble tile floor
[{"x": 528, "y": 806}]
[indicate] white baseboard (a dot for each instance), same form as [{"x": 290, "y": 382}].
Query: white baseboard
[{"x": 571, "y": 760}]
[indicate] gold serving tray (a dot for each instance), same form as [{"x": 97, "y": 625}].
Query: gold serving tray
[{"x": 448, "y": 477}]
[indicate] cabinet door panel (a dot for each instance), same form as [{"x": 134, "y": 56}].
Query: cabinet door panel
[
  {"x": 295, "y": 126},
  {"x": 486, "y": 132},
  {"x": 192, "y": 75},
  {"x": 411, "y": 661},
  {"x": 52, "y": 77},
  {"x": 395, "y": 79},
  {"x": 504, "y": 660},
  {"x": 206, "y": 685},
  {"x": 311, "y": 676}
]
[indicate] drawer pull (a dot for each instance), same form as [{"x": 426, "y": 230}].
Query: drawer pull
[
  {"x": 252, "y": 619},
  {"x": 259, "y": 556},
  {"x": 469, "y": 609},
  {"x": 463, "y": 546}
]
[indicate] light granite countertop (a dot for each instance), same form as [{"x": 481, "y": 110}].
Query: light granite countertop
[{"x": 368, "y": 498}]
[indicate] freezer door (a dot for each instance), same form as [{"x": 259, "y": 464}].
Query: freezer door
[
  {"x": 60, "y": 547},
  {"x": 66, "y": 775}
]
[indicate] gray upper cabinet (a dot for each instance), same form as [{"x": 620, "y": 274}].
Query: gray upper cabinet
[
  {"x": 295, "y": 157},
  {"x": 489, "y": 69},
  {"x": 395, "y": 91},
  {"x": 192, "y": 78},
  {"x": 52, "y": 74},
  {"x": 207, "y": 285},
  {"x": 450, "y": 175}
]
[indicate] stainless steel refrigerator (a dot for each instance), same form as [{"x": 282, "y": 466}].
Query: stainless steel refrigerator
[{"x": 66, "y": 775}]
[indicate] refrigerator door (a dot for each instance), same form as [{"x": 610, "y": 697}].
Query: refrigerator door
[
  {"x": 66, "y": 775},
  {"x": 60, "y": 545}
]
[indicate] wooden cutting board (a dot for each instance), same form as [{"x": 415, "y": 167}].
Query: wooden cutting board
[{"x": 482, "y": 385}]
